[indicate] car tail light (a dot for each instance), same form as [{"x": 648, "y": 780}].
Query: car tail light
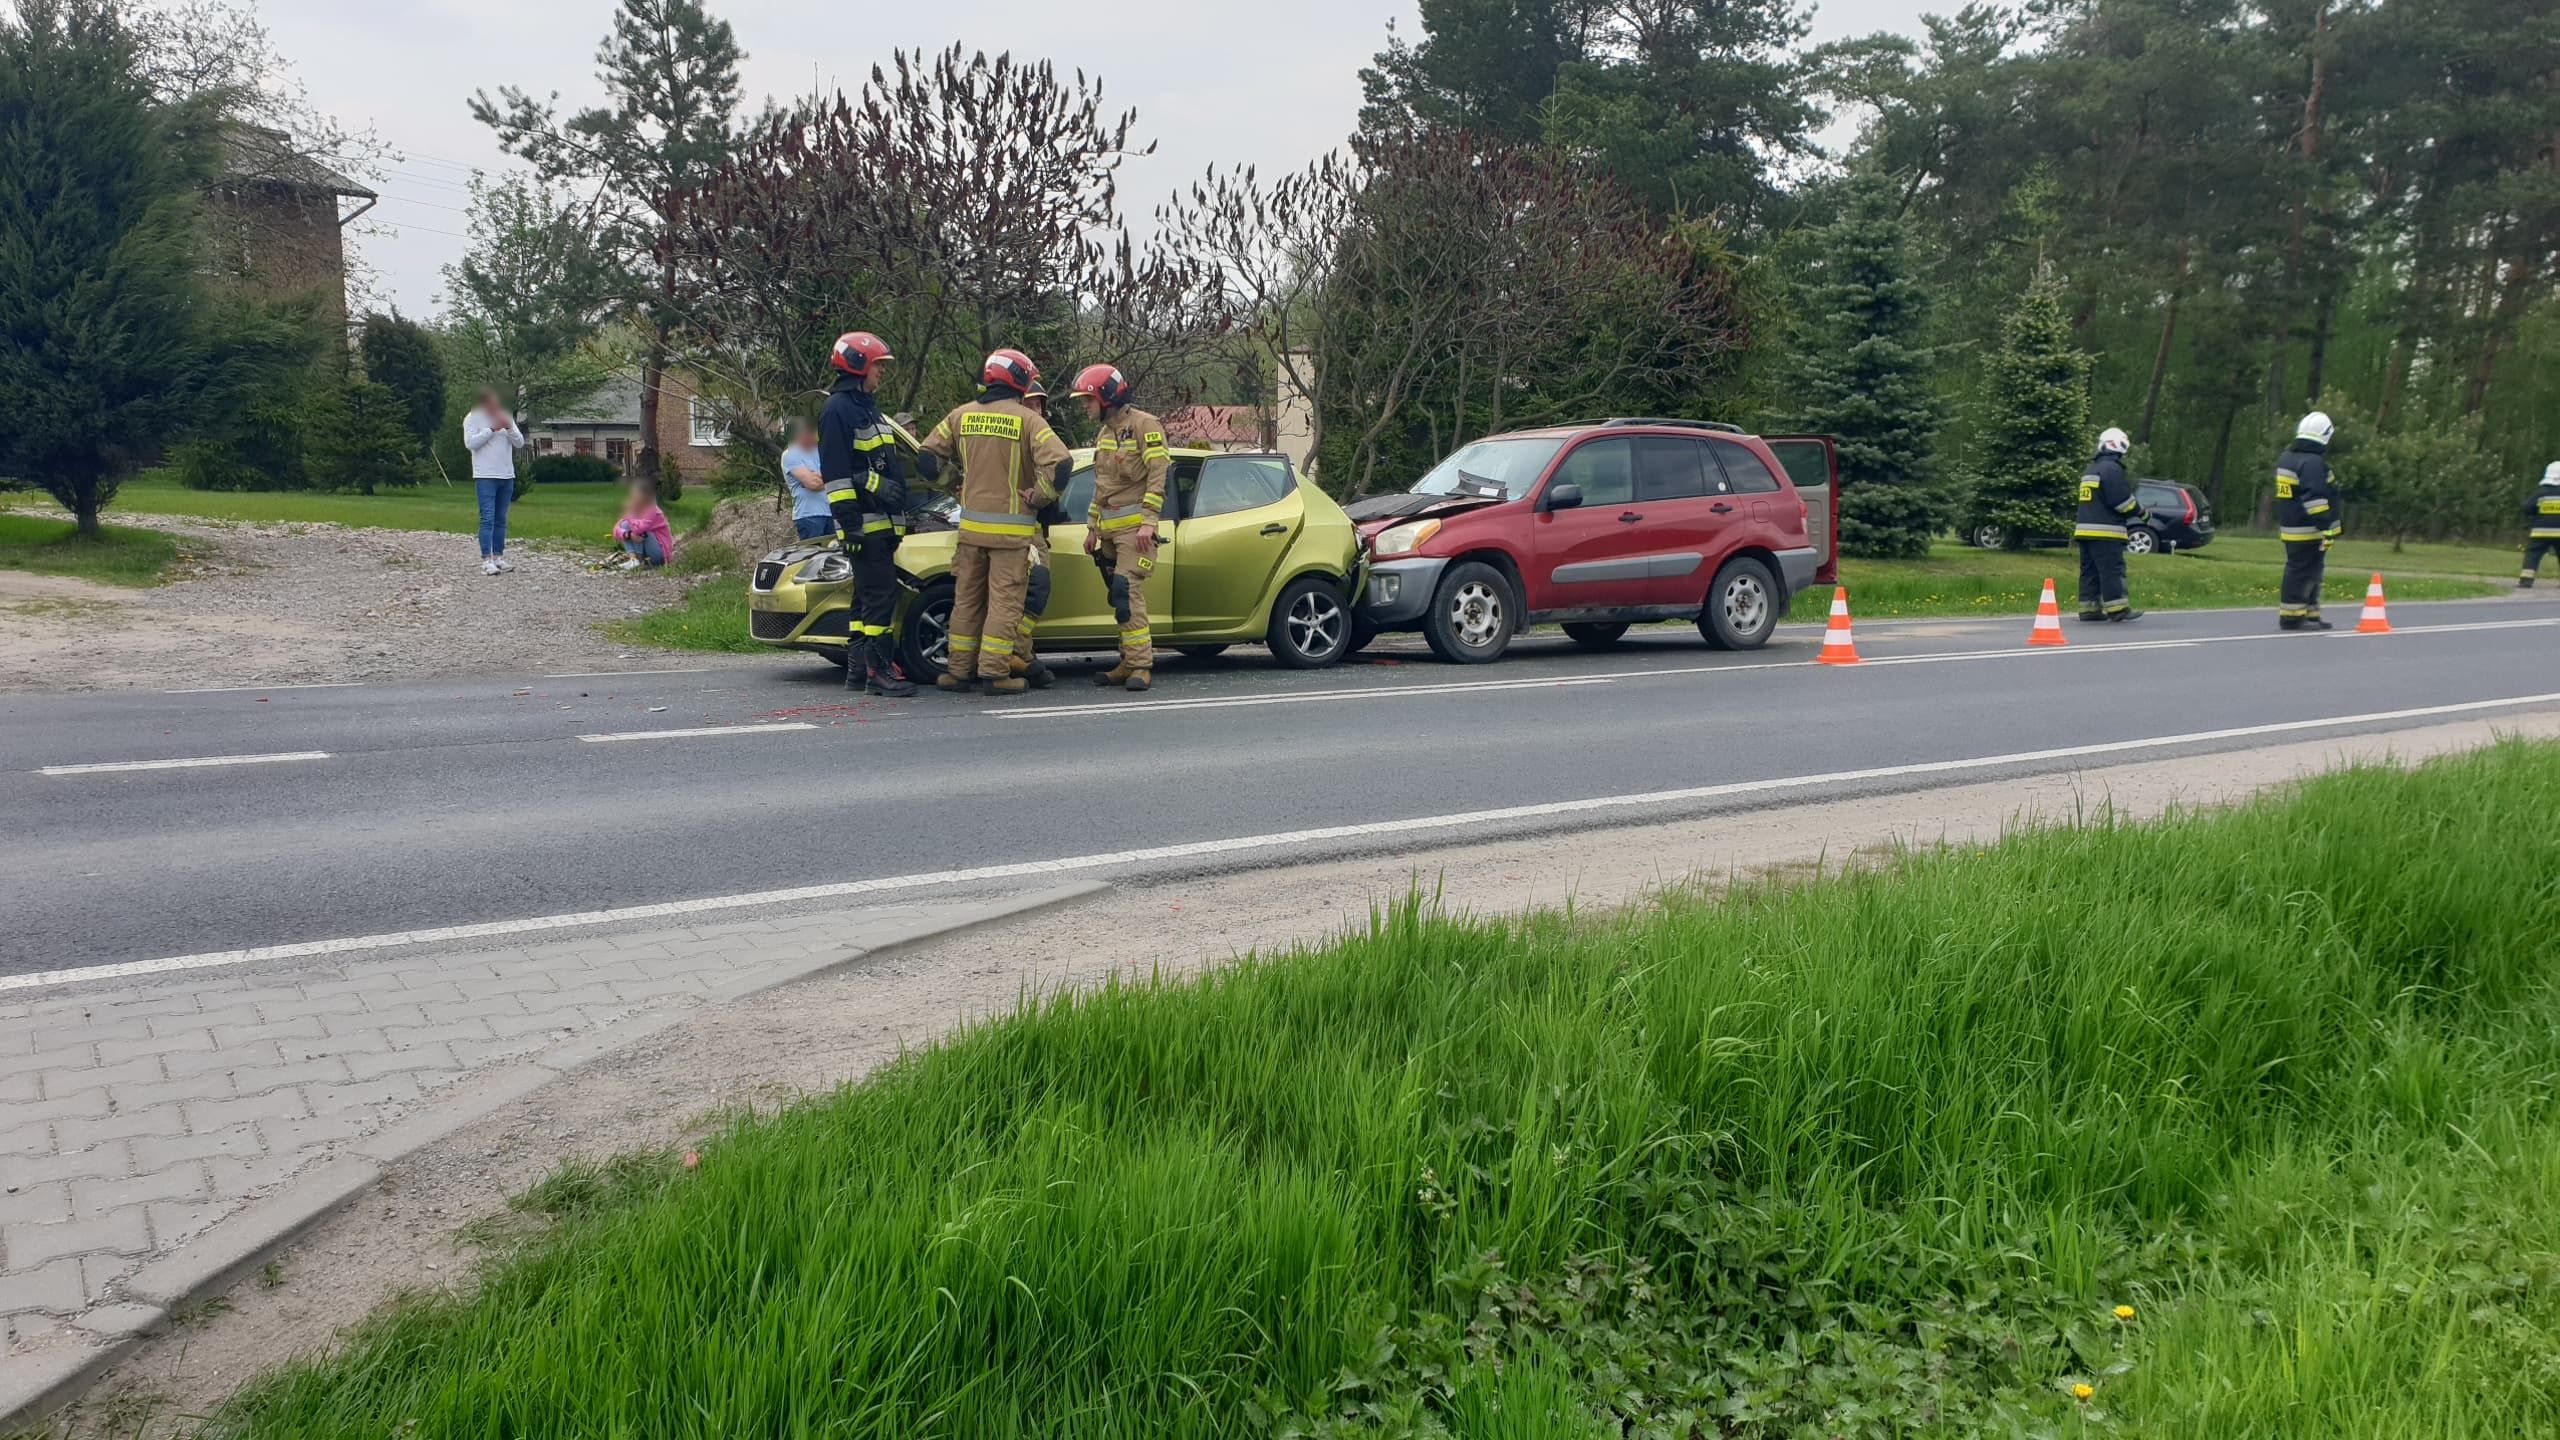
[{"x": 2191, "y": 505}]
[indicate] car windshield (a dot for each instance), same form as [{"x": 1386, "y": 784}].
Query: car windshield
[{"x": 1493, "y": 469}]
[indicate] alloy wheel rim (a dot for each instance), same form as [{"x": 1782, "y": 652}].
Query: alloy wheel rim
[
  {"x": 933, "y": 634},
  {"x": 1315, "y": 624}
]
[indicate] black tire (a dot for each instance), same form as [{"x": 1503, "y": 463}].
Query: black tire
[
  {"x": 924, "y": 633},
  {"x": 1310, "y": 626},
  {"x": 1473, "y": 615},
  {"x": 1363, "y": 635},
  {"x": 1201, "y": 652},
  {"x": 1987, "y": 537},
  {"x": 2141, "y": 540},
  {"x": 1597, "y": 636},
  {"x": 1743, "y": 606}
]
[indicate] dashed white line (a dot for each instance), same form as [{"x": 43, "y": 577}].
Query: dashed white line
[
  {"x": 1607, "y": 677},
  {"x": 196, "y": 763},
  {"x": 1290, "y": 840},
  {"x": 617, "y": 674},
  {"x": 697, "y": 732}
]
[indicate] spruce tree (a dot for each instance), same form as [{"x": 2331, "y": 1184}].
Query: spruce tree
[
  {"x": 361, "y": 440},
  {"x": 98, "y": 291},
  {"x": 402, "y": 357},
  {"x": 1860, "y": 374},
  {"x": 2035, "y": 433}
]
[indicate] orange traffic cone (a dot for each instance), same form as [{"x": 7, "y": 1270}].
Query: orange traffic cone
[
  {"x": 2048, "y": 629},
  {"x": 2374, "y": 621},
  {"x": 1838, "y": 646}
]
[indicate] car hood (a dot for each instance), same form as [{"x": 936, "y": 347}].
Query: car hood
[
  {"x": 794, "y": 554},
  {"x": 1377, "y": 512}
]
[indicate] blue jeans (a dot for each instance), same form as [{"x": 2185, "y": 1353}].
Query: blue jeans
[
  {"x": 495, "y": 497},
  {"x": 648, "y": 549},
  {"x": 813, "y": 527}
]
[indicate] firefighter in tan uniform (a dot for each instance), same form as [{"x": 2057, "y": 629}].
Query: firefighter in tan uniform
[
  {"x": 1129, "y": 462},
  {"x": 1008, "y": 457}
]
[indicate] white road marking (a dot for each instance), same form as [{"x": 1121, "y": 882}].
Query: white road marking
[
  {"x": 198, "y": 763},
  {"x": 694, "y": 733},
  {"x": 617, "y": 674},
  {"x": 678, "y": 910},
  {"x": 1607, "y": 677},
  {"x": 262, "y": 689}
]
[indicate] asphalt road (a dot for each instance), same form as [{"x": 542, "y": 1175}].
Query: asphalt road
[{"x": 424, "y": 806}]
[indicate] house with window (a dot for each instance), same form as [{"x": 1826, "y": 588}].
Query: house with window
[
  {"x": 607, "y": 425},
  {"x": 273, "y": 225},
  {"x": 1220, "y": 427}
]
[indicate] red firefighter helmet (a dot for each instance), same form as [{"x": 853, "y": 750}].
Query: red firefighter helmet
[
  {"x": 1011, "y": 369},
  {"x": 858, "y": 352},
  {"x": 1104, "y": 383}
]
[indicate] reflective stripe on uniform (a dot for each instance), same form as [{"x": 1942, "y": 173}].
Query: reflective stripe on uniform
[
  {"x": 2117, "y": 607},
  {"x": 995, "y": 644},
  {"x": 2299, "y": 534},
  {"x": 997, "y": 522},
  {"x": 1120, "y": 517},
  {"x": 2091, "y": 530},
  {"x": 1105, "y": 445},
  {"x": 2546, "y": 532},
  {"x": 1139, "y": 636},
  {"x": 877, "y": 523},
  {"x": 964, "y": 643},
  {"x": 2315, "y": 506},
  {"x": 1153, "y": 501},
  {"x": 1155, "y": 447}
]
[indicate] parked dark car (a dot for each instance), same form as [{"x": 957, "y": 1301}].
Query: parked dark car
[
  {"x": 1598, "y": 527},
  {"x": 2180, "y": 520}
]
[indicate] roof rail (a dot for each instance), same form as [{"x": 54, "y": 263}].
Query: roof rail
[{"x": 1716, "y": 425}]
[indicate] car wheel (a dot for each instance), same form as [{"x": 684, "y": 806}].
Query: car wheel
[
  {"x": 1202, "y": 652},
  {"x": 1309, "y": 626},
  {"x": 1597, "y": 636},
  {"x": 1742, "y": 606},
  {"x": 924, "y": 640},
  {"x": 1988, "y": 537},
  {"x": 1363, "y": 635},
  {"x": 2139, "y": 541},
  {"x": 1473, "y": 615}
]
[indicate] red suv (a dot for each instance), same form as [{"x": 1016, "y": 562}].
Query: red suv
[{"x": 1598, "y": 527}]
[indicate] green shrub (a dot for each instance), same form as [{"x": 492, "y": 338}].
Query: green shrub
[
  {"x": 261, "y": 448},
  {"x": 360, "y": 440},
  {"x": 572, "y": 470},
  {"x": 670, "y": 480}
]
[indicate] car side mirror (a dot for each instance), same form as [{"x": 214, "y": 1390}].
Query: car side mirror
[{"x": 1564, "y": 497}]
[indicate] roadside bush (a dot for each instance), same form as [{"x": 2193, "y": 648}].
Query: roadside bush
[
  {"x": 670, "y": 480},
  {"x": 573, "y": 470},
  {"x": 261, "y": 446},
  {"x": 360, "y": 440},
  {"x": 748, "y": 467}
]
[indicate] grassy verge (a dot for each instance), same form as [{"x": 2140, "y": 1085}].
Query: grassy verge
[
  {"x": 711, "y": 616},
  {"x": 120, "y": 555},
  {"x": 1875, "y": 1156},
  {"x": 1959, "y": 580},
  {"x": 2366, "y": 556},
  {"x": 580, "y": 513}
]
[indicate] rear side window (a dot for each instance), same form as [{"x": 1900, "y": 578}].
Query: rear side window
[
  {"x": 1749, "y": 474},
  {"x": 1183, "y": 483},
  {"x": 1605, "y": 469},
  {"x": 1669, "y": 468},
  {"x": 1079, "y": 497},
  {"x": 1230, "y": 483}
]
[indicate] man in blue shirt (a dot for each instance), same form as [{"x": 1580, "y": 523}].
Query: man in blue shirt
[{"x": 810, "y": 517}]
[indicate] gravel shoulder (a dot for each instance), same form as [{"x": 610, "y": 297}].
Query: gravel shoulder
[
  {"x": 423, "y": 1227},
  {"x": 265, "y": 603}
]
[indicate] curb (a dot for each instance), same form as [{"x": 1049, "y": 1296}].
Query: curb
[{"x": 42, "y": 1381}]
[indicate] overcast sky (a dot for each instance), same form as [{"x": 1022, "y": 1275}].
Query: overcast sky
[{"x": 1272, "y": 82}]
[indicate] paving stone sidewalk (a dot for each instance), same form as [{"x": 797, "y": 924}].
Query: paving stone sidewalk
[{"x": 133, "y": 1117}]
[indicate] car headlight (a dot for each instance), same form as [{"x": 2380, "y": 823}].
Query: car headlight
[
  {"x": 826, "y": 569},
  {"x": 1404, "y": 539}
]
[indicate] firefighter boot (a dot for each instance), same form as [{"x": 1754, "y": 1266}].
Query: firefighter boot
[
  {"x": 956, "y": 684},
  {"x": 1141, "y": 680},
  {"x": 1117, "y": 675},
  {"x": 1008, "y": 685},
  {"x": 882, "y": 674}
]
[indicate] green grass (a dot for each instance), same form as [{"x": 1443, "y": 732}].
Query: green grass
[
  {"x": 580, "y": 513},
  {"x": 1959, "y": 580},
  {"x": 1872, "y": 1156},
  {"x": 2366, "y": 556},
  {"x": 711, "y": 616},
  {"x": 121, "y": 555}
]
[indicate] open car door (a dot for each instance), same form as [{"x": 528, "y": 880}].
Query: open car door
[{"x": 1813, "y": 467}]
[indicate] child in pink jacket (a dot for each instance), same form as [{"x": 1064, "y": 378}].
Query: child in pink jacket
[{"x": 643, "y": 526}]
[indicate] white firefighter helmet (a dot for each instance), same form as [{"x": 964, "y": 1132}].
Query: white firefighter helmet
[
  {"x": 2112, "y": 441},
  {"x": 2316, "y": 426},
  {"x": 2551, "y": 473}
]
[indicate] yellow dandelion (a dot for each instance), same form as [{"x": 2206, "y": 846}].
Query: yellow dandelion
[
  {"x": 2124, "y": 1312},
  {"x": 2083, "y": 1390}
]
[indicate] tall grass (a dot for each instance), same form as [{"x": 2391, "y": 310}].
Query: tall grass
[
  {"x": 1875, "y": 1156},
  {"x": 1958, "y": 580}
]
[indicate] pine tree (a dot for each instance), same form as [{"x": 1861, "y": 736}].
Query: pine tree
[
  {"x": 1861, "y": 376},
  {"x": 2035, "y": 431},
  {"x": 98, "y": 183},
  {"x": 360, "y": 439},
  {"x": 402, "y": 357}
]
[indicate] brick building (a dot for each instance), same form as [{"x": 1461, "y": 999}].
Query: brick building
[{"x": 274, "y": 222}]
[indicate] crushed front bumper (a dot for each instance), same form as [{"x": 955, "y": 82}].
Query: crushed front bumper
[{"x": 1399, "y": 591}]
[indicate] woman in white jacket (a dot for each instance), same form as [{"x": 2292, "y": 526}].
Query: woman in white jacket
[{"x": 493, "y": 439}]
